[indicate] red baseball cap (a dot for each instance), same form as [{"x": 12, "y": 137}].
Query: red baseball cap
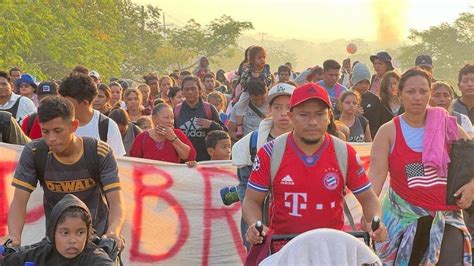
[{"x": 309, "y": 91}]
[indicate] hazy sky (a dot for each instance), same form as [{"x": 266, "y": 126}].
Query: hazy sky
[{"x": 315, "y": 19}]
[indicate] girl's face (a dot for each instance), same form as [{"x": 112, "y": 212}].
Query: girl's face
[
  {"x": 177, "y": 99},
  {"x": 116, "y": 94},
  {"x": 164, "y": 117},
  {"x": 165, "y": 86},
  {"x": 350, "y": 105},
  {"x": 260, "y": 59},
  {"x": 100, "y": 100},
  {"x": 70, "y": 237},
  {"x": 216, "y": 101},
  {"x": 415, "y": 95},
  {"x": 147, "y": 125},
  {"x": 132, "y": 101},
  {"x": 393, "y": 89},
  {"x": 441, "y": 97},
  {"x": 26, "y": 89},
  {"x": 145, "y": 92},
  {"x": 123, "y": 129}
]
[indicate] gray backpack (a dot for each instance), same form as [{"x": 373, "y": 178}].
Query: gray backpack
[{"x": 279, "y": 146}]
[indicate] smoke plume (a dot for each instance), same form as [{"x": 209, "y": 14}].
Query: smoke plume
[{"x": 389, "y": 16}]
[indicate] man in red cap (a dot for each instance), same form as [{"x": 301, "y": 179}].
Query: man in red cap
[{"x": 307, "y": 184}]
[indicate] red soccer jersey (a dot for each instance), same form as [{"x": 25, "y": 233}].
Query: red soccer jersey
[{"x": 307, "y": 190}]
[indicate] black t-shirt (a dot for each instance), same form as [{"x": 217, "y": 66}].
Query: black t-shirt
[
  {"x": 61, "y": 178},
  {"x": 196, "y": 134}
]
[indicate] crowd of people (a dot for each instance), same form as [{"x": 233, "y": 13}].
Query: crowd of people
[{"x": 285, "y": 132}]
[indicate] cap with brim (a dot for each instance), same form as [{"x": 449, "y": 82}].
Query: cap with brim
[
  {"x": 28, "y": 79},
  {"x": 47, "y": 88},
  {"x": 309, "y": 91},
  {"x": 424, "y": 60},
  {"x": 279, "y": 90},
  {"x": 94, "y": 74},
  {"x": 382, "y": 56}
]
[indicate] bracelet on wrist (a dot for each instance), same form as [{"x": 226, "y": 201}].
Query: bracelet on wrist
[{"x": 174, "y": 139}]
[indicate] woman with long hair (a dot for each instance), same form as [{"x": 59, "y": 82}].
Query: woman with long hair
[
  {"x": 391, "y": 104},
  {"x": 422, "y": 228}
]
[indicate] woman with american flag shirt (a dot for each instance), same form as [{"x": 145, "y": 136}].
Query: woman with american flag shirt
[{"x": 422, "y": 229}]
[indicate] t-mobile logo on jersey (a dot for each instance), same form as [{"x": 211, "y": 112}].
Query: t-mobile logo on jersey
[{"x": 294, "y": 204}]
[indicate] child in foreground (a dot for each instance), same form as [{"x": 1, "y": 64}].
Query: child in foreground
[{"x": 68, "y": 239}]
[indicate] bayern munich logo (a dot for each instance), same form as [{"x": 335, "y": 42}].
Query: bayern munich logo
[{"x": 331, "y": 180}]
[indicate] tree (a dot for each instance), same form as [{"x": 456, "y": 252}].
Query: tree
[
  {"x": 450, "y": 46},
  {"x": 211, "y": 41},
  {"x": 115, "y": 37}
]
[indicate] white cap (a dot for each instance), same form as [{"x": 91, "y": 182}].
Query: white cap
[
  {"x": 94, "y": 74},
  {"x": 278, "y": 90}
]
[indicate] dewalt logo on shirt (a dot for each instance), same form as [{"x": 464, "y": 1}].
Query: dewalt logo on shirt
[{"x": 70, "y": 186}]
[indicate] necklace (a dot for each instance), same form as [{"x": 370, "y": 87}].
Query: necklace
[{"x": 160, "y": 145}]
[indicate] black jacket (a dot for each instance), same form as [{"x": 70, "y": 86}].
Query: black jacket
[
  {"x": 386, "y": 114},
  {"x": 372, "y": 108},
  {"x": 45, "y": 253}
]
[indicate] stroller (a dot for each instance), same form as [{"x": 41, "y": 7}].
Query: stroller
[{"x": 311, "y": 248}]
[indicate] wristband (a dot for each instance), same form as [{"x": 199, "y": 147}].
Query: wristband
[{"x": 175, "y": 138}]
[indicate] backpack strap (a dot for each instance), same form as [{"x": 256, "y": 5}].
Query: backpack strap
[
  {"x": 5, "y": 126},
  {"x": 341, "y": 153},
  {"x": 91, "y": 157},
  {"x": 40, "y": 150},
  {"x": 135, "y": 130},
  {"x": 337, "y": 90},
  {"x": 207, "y": 109},
  {"x": 14, "y": 109},
  {"x": 103, "y": 127},
  {"x": 279, "y": 145},
  {"x": 31, "y": 121},
  {"x": 342, "y": 160},
  {"x": 253, "y": 145}
]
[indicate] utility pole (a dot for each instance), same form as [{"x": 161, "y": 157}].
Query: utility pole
[
  {"x": 262, "y": 34},
  {"x": 164, "y": 25}
]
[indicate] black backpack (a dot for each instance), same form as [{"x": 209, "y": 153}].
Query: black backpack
[
  {"x": 5, "y": 126},
  {"x": 41, "y": 150},
  {"x": 103, "y": 127}
]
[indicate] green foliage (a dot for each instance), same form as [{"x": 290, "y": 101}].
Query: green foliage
[
  {"x": 115, "y": 37},
  {"x": 450, "y": 46}
]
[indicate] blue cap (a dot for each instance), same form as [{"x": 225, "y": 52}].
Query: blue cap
[{"x": 26, "y": 78}]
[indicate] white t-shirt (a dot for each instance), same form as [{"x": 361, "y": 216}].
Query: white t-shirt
[
  {"x": 467, "y": 125},
  {"x": 25, "y": 106},
  {"x": 114, "y": 139}
]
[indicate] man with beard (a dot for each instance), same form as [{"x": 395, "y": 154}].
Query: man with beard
[{"x": 303, "y": 174}]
